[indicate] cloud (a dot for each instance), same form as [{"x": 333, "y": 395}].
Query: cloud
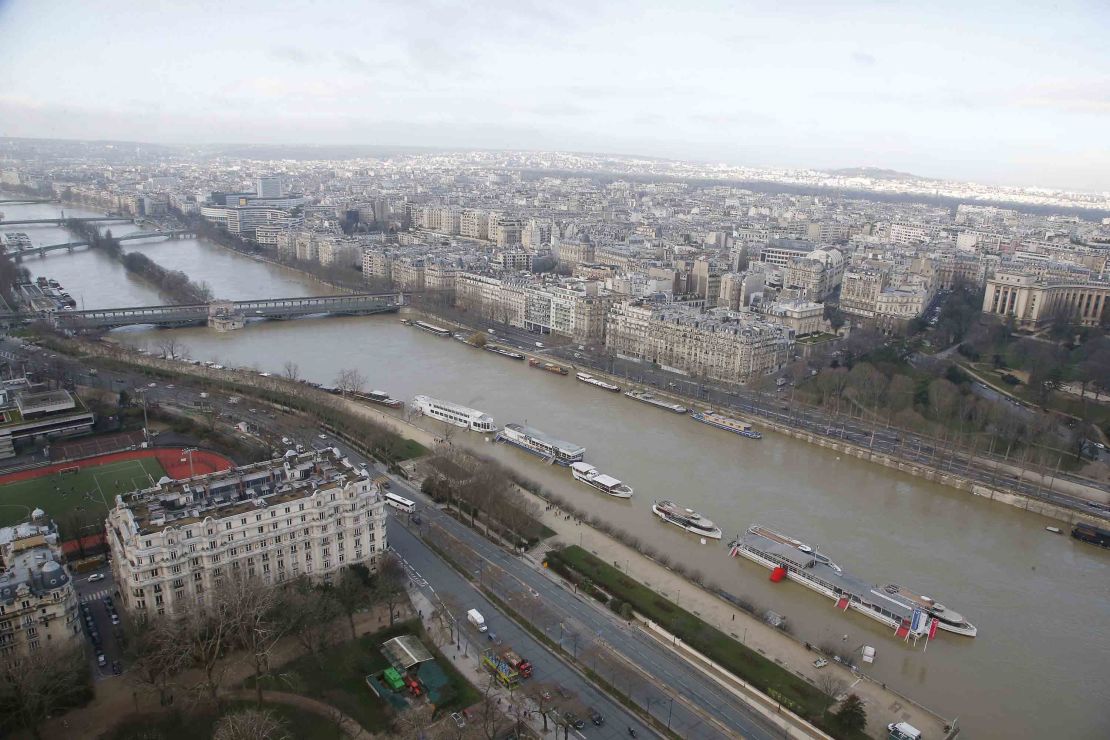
[
  {"x": 863, "y": 59},
  {"x": 290, "y": 54}
]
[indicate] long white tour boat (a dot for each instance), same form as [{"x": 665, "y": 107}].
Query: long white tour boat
[
  {"x": 687, "y": 519},
  {"x": 453, "y": 413},
  {"x": 552, "y": 450},
  {"x": 801, "y": 563},
  {"x": 587, "y": 378},
  {"x": 591, "y": 476},
  {"x": 727, "y": 423}
]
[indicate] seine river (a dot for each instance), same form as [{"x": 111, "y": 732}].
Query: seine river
[{"x": 1041, "y": 663}]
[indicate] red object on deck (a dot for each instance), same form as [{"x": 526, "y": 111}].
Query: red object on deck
[
  {"x": 843, "y": 603},
  {"x": 778, "y": 574}
]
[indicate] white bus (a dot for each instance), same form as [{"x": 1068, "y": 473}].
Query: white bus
[{"x": 397, "y": 502}]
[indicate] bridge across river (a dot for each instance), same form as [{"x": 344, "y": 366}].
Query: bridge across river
[
  {"x": 355, "y": 304},
  {"x": 61, "y": 221},
  {"x": 41, "y": 251}
]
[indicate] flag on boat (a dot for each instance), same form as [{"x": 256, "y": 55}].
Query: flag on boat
[
  {"x": 933, "y": 628},
  {"x": 917, "y": 621}
]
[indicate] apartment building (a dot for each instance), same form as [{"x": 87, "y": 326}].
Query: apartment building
[
  {"x": 817, "y": 275},
  {"x": 574, "y": 252},
  {"x": 860, "y": 290},
  {"x": 309, "y": 514},
  {"x": 474, "y": 224},
  {"x": 38, "y": 604},
  {"x": 718, "y": 344},
  {"x": 802, "y": 317},
  {"x": 408, "y": 273}
]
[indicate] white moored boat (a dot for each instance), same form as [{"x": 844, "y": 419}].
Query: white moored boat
[
  {"x": 688, "y": 519},
  {"x": 587, "y": 378},
  {"x": 727, "y": 423},
  {"x": 588, "y": 474},
  {"x": 538, "y": 443},
  {"x": 453, "y": 413},
  {"x": 645, "y": 397}
]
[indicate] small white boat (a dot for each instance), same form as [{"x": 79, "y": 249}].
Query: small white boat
[{"x": 591, "y": 476}]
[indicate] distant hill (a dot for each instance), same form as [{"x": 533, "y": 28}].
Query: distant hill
[{"x": 876, "y": 173}]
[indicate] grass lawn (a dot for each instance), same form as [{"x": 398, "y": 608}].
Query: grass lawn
[
  {"x": 337, "y": 676},
  {"x": 86, "y": 494},
  {"x": 298, "y": 723},
  {"x": 749, "y": 665}
]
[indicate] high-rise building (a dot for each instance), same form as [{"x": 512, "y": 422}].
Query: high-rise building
[
  {"x": 271, "y": 186},
  {"x": 309, "y": 514}
]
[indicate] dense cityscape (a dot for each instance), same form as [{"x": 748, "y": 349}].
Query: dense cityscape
[{"x": 511, "y": 371}]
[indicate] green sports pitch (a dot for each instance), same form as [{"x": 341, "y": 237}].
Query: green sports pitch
[{"x": 75, "y": 497}]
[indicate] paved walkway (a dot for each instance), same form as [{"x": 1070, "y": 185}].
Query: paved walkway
[
  {"x": 883, "y": 705},
  {"x": 347, "y": 725}
]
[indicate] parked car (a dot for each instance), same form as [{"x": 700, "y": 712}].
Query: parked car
[
  {"x": 96, "y": 577},
  {"x": 596, "y": 718},
  {"x": 573, "y": 721}
]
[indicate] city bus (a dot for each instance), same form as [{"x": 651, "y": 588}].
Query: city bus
[{"x": 397, "y": 502}]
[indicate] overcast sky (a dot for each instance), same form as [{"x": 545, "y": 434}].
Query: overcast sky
[{"x": 994, "y": 91}]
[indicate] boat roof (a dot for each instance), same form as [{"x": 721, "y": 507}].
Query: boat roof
[
  {"x": 582, "y": 467},
  {"x": 607, "y": 480},
  {"x": 844, "y": 581},
  {"x": 544, "y": 437}
]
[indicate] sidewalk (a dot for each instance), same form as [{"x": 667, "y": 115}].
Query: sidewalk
[
  {"x": 468, "y": 663},
  {"x": 883, "y": 705}
]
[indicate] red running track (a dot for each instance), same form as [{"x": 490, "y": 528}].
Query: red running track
[{"x": 172, "y": 460}]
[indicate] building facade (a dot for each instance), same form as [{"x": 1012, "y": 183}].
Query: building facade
[
  {"x": 38, "y": 604},
  {"x": 309, "y": 514},
  {"x": 1034, "y": 302}
]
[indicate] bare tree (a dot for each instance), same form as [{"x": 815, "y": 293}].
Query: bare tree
[
  {"x": 170, "y": 348},
  {"x": 308, "y": 613},
  {"x": 157, "y": 653},
  {"x": 249, "y": 609},
  {"x": 250, "y": 724},
  {"x": 207, "y": 636},
  {"x": 350, "y": 380},
  {"x": 350, "y": 593},
  {"x": 389, "y": 583},
  {"x": 542, "y": 695},
  {"x": 490, "y": 716},
  {"x": 291, "y": 371},
  {"x": 39, "y": 684},
  {"x": 831, "y": 685}
]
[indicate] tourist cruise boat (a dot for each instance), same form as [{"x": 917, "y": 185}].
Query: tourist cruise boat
[
  {"x": 727, "y": 423},
  {"x": 588, "y": 474},
  {"x": 453, "y": 413},
  {"x": 646, "y": 397},
  {"x": 909, "y": 615},
  {"x": 550, "y": 367},
  {"x": 688, "y": 519},
  {"x": 432, "y": 328},
  {"x": 552, "y": 450},
  {"x": 586, "y": 378}
]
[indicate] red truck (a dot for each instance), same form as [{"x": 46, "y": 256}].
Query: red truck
[{"x": 519, "y": 664}]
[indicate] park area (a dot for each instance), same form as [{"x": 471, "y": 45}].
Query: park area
[{"x": 78, "y": 493}]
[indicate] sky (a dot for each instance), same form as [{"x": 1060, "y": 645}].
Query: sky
[{"x": 994, "y": 91}]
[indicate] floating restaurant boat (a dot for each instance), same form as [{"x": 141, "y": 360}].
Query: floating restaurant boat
[
  {"x": 550, "y": 367},
  {"x": 586, "y": 378},
  {"x": 497, "y": 349},
  {"x": 588, "y": 474},
  {"x": 687, "y": 519},
  {"x": 1090, "y": 533},
  {"x": 453, "y": 413},
  {"x": 908, "y": 613},
  {"x": 727, "y": 423},
  {"x": 552, "y": 450},
  {"x": 432, "y": 328},
  {"x": 379, "y": 397},
  {"x": 645, "y": 397}
]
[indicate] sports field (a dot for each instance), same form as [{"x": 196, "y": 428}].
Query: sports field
[{"x": 72, "y": 494}]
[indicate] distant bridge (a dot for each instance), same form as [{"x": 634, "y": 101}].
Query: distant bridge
[
  {"x": 61, "y": 220},
  {"x": 357, "y": 304},
  {"x": 41, "y": 251},
  {"x": 22, "y": 201}
]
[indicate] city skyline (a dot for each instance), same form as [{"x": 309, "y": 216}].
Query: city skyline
[{"x": 921, "y": 90}]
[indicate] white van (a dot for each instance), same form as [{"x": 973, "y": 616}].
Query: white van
[
  {"x": 903, "y": 731},
  {"x": 475, "y": 618}
]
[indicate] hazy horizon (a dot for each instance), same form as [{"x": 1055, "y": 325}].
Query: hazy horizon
[{"x": 982, "y": 94}]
